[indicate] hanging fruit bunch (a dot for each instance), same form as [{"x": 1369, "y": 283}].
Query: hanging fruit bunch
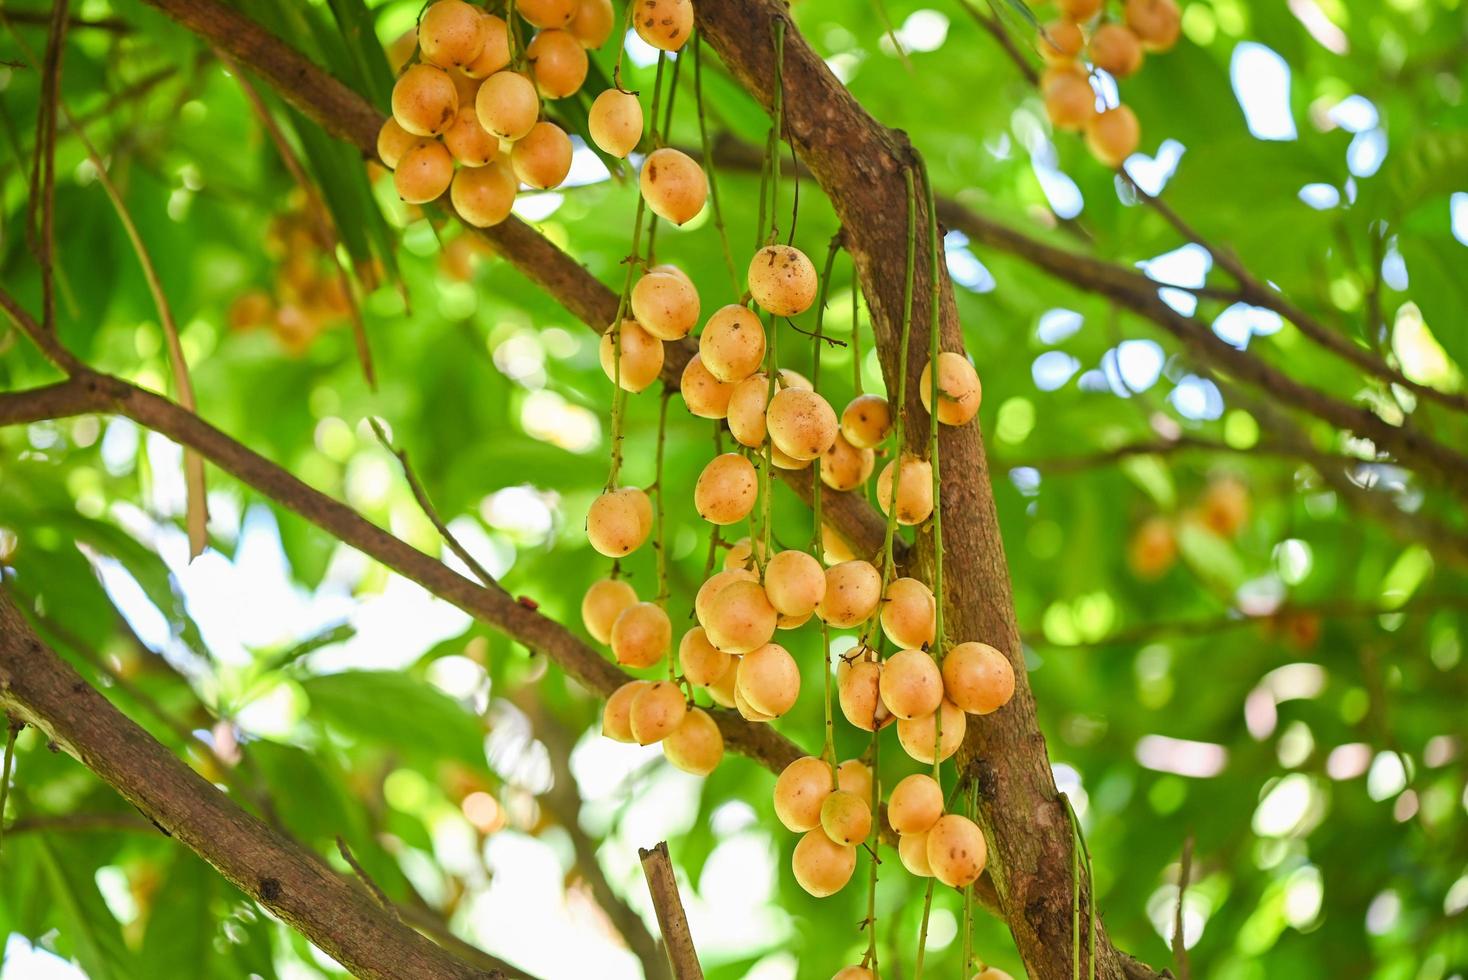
[{"x": 1085, "y": 34}]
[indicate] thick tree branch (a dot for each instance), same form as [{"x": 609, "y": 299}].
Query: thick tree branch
[{"x": 662, "y": 884}]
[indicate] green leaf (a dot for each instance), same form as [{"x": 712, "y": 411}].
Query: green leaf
[
  {"x": 399, "y": 710},
  {"x": 89, "y": 930}
]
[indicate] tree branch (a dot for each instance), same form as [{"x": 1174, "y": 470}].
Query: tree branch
[{"x": 662, "y": 884}]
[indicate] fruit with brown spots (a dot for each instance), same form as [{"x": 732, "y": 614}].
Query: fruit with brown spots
[
  {"x": 956, "y": 850},
  {"x": 656, "y": 712},
  {"x": 507, "y": 104},
  {"x": 640, "y": 360},
  {"x": 665, "y": 304},
  {"x": 618, "y": 521},
  {"x": 547, "y": 13},
  {"x": 470, "y": 145},
  {"x": 615, "y": 122},
  {"x": 558, "y": 63},
  {"x": 800, "y": 789},
  {"x": 726, "y": 489},
  {"x": 733, "y": 344},
  {"x": 616, "y": 715},
  {"x": 483, "y": 196},
  {"x": 853, "y": 589},
  {"x": 495, "y": 54},
  {"x": 424, "y": 172},
  {"x": 705, "y": 395},
  {"x": 665, "y": 24},
  {"x": 451, "y": 33},
  {"x": 845, "y": 467},
  {"x": 603, "y": 603},
  {"x": 919, "y": 735},
  {"x": 866, "y": 421},
  {"x": 857, "y": 690},
  {"x": 914, "y": 489},
  {"x": 822, "y": 867},
  {"x": 909, "y": 613},
  {"x": 846, "y": 817},
  {"x": 424, "y": 100},
  {"x": 641, "y": 635},
  {"x": 912, "y": 685},
  {"x": 740, "y": 620},
  {"x": 915, "y": 805},
  {"x": 801, "y": 423},
  {"x": 959, "y": 391},
  {"x": 782, "y": 280},
  {"x": 673, "y": 184}
]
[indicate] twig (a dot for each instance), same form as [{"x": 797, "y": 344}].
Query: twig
[
  {"x": 12, "y": 729},
  {"x": 662, "y": 884},
  {"x": 1179, "y": 946},
  {"x": 997, "y": 30},
  {"x": 377, "y": 893},
  {"x": 43, "y": 165}
]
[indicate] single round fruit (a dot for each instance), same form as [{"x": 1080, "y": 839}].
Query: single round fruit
[
  {"x": 665, "y": 24},
  {"x": 593, "y": 22},
  {"x": 912, "y": 849},
  {"x": 558, "y": 63},
  {"x": 392, "y": 142},
  {"x": 733, "y": 344},
  {"x": 978, "y": 678},
  {"x": 542, "y": 159},
  {"x": 912, "y": 684},
  {"x": 1080, "y": 11},
  {"x": 958, "y": 388},
  {"x": 672, "y": 182},
  {"x": 495, "y": 54},
  {"x": 615, "y": 523},
  {"x": 742, "y": 553},
  {"x": 468, "y": 141},
  {"x": 726, "y": 489},
  {"x": 853, "y": 589},
  {"x": 641, "y": 635},
  {"x": 866, "y": 421},
  {"x": 666, "y": 305},
  {"x": 956, "y": 850},
  {"x": 451, "y": 33},
  {"x": 616, "y": 716},
  {"x": 702, "y": 662},
  {"x": 657, "y": 711},
  {"x": 918, "y": 736},
  {"x": 507, "y": 105},
  {"x": 695, "y": 746},
  {"x": 747, "y": 401},
  {"x": 709, "y": 590},
  {"x": 800, "y": 790},
  {"x": 603, "y": 603},
  {"x": 615, "y": 122},
  {"x": 845, "y": 467},
  {"x": 424, "y": 100},
  {"x": 822, "y": 867},
  {"x": 782, "y": 280},
  {"x": 740, "y": 620},
  {"x": 801, "y": 423},
  {"x": 795, "y": 583},
  {"x": 547, "y": 13},
  {"x": 641, "y": 357},
  {"x": 1115, "y": 49},
  {"x": 914, "y": 489},
  {"x": 1070, "y": 102},
  {"x": 1152, "y": 549},
  {"x": 768, "y": 678},
  {"x": 483, "y": 196},
  {"x": 855, "y": 777},
  {"x": 846, "y": 818},
  {"x": 1113, "y": 135},
  {"x": 857, "y": 687},
  {"x": 915, "y": 805},
  {"x": 909, "y": 614},
  {"x": 1155, "y": 22},
  {"x": 834, "y": 549},
  {"x": 1060, "y": 41},
  {"x": 705, "y": 395},
  {"x": 424, "y": 172}
]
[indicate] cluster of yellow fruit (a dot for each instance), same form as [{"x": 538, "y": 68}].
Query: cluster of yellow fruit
[
  {"x": 310, "y": 293},
  {"x": 1084, "y": 34}
]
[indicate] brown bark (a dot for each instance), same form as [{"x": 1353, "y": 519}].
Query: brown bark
[{"x": 662, "y": 884}]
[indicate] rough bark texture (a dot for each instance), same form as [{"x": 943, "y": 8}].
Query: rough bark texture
[{"x": 662, "y": 884}]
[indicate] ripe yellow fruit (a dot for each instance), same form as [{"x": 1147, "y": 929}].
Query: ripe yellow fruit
[
  {"x": 800, "y": 789},
  {"x": 392, "y": 142},
  {"x": 912, "y": 849},
  {"x": 696, "y": 746},
  {"x": 615, "y": 122},
  {"x": 768, "y": 678},
  {"x": 801, "y": 423},
  {"x": 740, "y": 620},
  {"x": 593, "y": 22},
  {"x": 641, "y": 635},
  {"x": 470, "y": 145},
  {"x": 834, "y": 548},
  {"x": 795, "y": 583},
  {"x": 821, "y": 866},
  {"x": 1225, "y": 506},
  {"x": 641, "y": 357},
  {"x": 918, "y": 735},
  {"x": 1115, "y": 49},
  {"x": 912, "y": 685},
  {"x": 959, "y": 391},
  {"x": 603, "y": 603},
  {"x": 665, "y": 304},
  {"x": 857, "y": 687},
  {"x": 855, "y": 776},
  {"x": 464, "y": 84},
  {"x": 978, "y": 678},
  {"x": 542, "y": 159},
  {"x": 726, "y": 489},
  {"x": 782, "y": 280},
  {"x": 547, "y": 13},
  {"x": 732, "y": 343},
  {"x": 507, "y": 105},
  {"x": 1155, "y": 22},
  {"x": 616, "y": 716},
  {"x": 1113, "y": 135},
  {"x": 722, "y": 690},
  {"x": 702, "y": 662},
  {"x": 483, "y": 196},
  {"x": 709, "y": 591},
  {"x": 705, "y": 395},
  {"x": 665, "y": 24},
  {"x": 747, "y": 711},
  {"x": 784, "y": 461},
  {"x": 401, "y": 49},
  {"x": 451, "y": 33},
  {"x": 909, "y": 614},
  {"x": 495, "y": 54},
  {"x": 845, "y": 467},
  {"x": 866, "y": 421},
  {"x": 992, "y": 973},
  {"x": 854, "y": 973},
  {"x": 1152, "y": 548},
  {"x": 1060, "y": 41},
  {"x": 747, "y": 401},
  {"x": 915, "y": 805},
  {"x": 846, "y": 818},
  {"x": 558, "y": 62},
  {"x": 914, "y": 489},
  {"x": 656, "y": 712},
  {"x": 956, "y": 850},
  {"x": 618, "y": 521},
  {"x": 1070, "y": 102},
  {"x": 1080, "y": 10},
  {"x": 742, "y": 553},
  {"x": 673, "y": 184},
  {"x": 424, "y": 172},
  {"x": 853, "y": 589},
  {"x": 424, "y": 100}
]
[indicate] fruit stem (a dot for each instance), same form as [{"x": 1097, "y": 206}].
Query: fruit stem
[
  {"x": 657, "y": 141},
  {"x": 870, "y": 959},
  {"x": 12, "y": 728},
  {"x": 659, "y": 542},
  {"x": 714, "y": 536},
  {"x": 934, "y": 338},
  {"x": 621, "y": 48},
  {"x": 1079, "y": 850},
  {"x": 708, "y": 159},
  {"x": 855, "y": 330},
  {"x": 772, "y": 148},
  {"x": 771, "y": 362},
  {"x": 917, "y": 969}
]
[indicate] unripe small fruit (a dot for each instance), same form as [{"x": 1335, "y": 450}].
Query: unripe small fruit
[
  {"x": 451, "y": 33},
  {"x": 795, "y": 583},
  {"x": 705, "y": 395},
  {"x": 656, "y": 712},
  {"x": 845, "y": 467},
  {"x": 666, "y": 305},
  {"x": 617, "y": 521},
  {"x": 542, "y": 159},
  {"x": 726, "y": 489},
  {"x": 547, "y": 13},
  {"x": 593, "y": 22},
  {"x": 1080, "y": 11},
  {"x": 603, "y": 603},
  {"x": 834, "y": 548},
  {"x": 732, "y": 343},
  {"x": 673, "y": 184},
  {"x": 392, "y": 142},
  {"x": 483, "y": 196},
  {"x": 1113, "y": 135},
  {"x": 747, "y": 404},
  {"x": 558, "y": 62},
  {"x": 846, "y": 818},
  {"x": 615, "y": 122},
  {"x": 741, "y": 620},
  {"x": 641, "y": 357},
  {"x": 722, "y": 690},
  {"x": 912, "y": 849},
  {"x": 641, "y": 635},
  {"x": 665, "y": 24},
  {"x": 424, "y": 172},
  {"x": 909, "y": 614},
  {"x": 866, "y": 421},
  {"x": 914, "y": 489},
  {"x": 470, "y": 145},
  {"x": 742, "y": 553},
  {"x": 822, "y": 867},
  {"x": 801, "y": 423},
  {"x": 855, "y": 777},
  {"x": 857, "y": 690},
  {"x": 702, "y": 662},
  {"x": 696, "y": 746},
  {"x": 1155, "y": 22},
  {"x": 916, "y": 804},
  {"x": 495, "y": 54},
  {"x": 424, "y": 100},
  {"x": 507, "y": 105},
  {"x": 782, "y": 280},
  {"x": 616, "y": 716},
  {"x": 956, "y": 850},
  {"x": 800, "y": 789},
  {"x": 1070, "y": 102},
  {"x": 853, "y": 589},
  {"x": 768, "y": 678},
  {"x": 959, "y": 391},
  {"x": 1060, "y": 41},
  {"x": 912, "y": 684},
  {"x": 918, "y": 735},
  {"x": 704, "y": 599},
  {"x": 1115, "y": 49},
  {"x": 978, "y": 678}
]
